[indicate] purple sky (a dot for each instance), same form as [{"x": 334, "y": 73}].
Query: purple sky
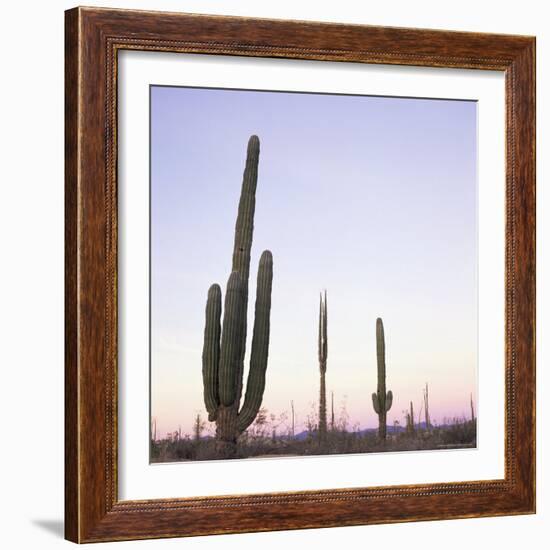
[{"x": 372, "y": 198}]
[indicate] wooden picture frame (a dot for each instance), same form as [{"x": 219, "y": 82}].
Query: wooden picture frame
[{"x": 93, "y": 38}]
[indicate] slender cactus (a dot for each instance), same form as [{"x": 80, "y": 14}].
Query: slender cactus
[
  {"x": 225, "y": 341},
  {"x": 332, "y": 423},
  {"x": 381, "y": 401},
  {"x": 427, "y": 408},
  {"x": 198, "y": 427},
  {"x": 323, "y": 353}
]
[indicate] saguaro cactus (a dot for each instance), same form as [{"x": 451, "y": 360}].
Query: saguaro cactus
[
  {"x": 381, "y": 400},
  {"x": 225, "y": 344},
  {"x": 323, "y": 353}
]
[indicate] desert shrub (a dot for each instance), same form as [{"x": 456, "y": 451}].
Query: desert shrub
[{"x": 459, "y": 433}]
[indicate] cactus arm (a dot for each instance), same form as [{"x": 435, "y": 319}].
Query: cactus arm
[
  {"x": 244, "y": 226},
  {"x": 231, "y": 340},
  {"x": 244, "y": 229},
  {"x": 323, "y": 348},
  {"x": 389, "y": 400},
  {"x": 375, "y": 403},
  {"x": 381, "y": 357},
  {"x": 260, "y": 344},
  {"x": 323, "y": 344},
  {"x": 325, "y": 332},
  {"x": 320, "y": 338},
  {"x": 211, "y": 350}
]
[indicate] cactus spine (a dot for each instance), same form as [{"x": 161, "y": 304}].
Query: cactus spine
[
  {"x": 323, "y": 367},
  {"x": 225, "y": 342},
  {"x": 381, "y": 400}
]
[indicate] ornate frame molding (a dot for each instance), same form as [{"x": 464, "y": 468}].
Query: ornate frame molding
[{"x": 93, "y": 38}]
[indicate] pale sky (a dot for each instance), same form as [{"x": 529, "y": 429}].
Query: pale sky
[{"x": 373, "y": 199}]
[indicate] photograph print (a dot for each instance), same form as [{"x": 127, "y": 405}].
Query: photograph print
[{"x": 313, "y": 274}]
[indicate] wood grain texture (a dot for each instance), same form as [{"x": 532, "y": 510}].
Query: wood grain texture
[
  {"x": 71, "y": 270},
  {"x": 92, "y": 509}
]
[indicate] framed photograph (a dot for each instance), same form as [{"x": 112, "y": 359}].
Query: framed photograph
[{"x": 300, "y": 275}]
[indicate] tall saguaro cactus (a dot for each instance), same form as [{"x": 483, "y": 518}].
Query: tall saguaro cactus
[
  {"x": 381, "y": 400},
  {"x": 225, "y": 342},
  {"x": 323, "y": 354}
]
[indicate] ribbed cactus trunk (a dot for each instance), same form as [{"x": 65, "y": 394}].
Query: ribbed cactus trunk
[
  {"x": 224, "y": 346},
  {"x": 323, "y": 348},
  {"x": 381, "y": 400}
]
